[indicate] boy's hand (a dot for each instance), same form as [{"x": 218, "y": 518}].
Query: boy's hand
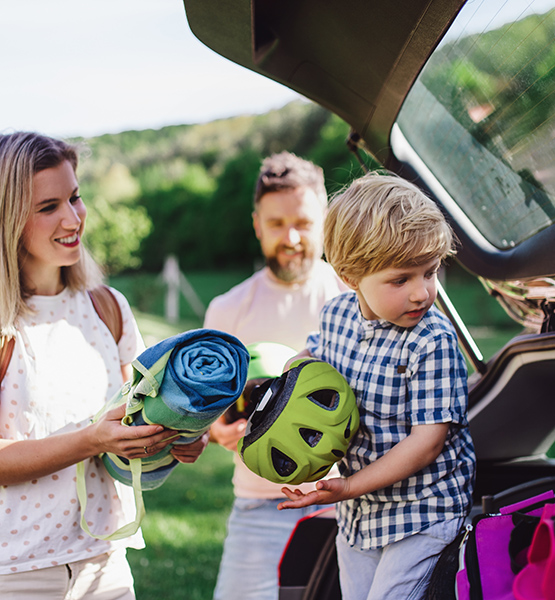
[{"x": 328, "y": 491}]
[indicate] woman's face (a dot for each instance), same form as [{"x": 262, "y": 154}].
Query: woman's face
[{"x": 52, "y": 235}]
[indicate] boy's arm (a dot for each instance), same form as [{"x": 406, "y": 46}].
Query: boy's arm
[
  {"x": 305, "y": 353},
  {"x": 419, "y": 449}
]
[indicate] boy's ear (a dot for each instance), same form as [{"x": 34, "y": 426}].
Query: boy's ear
[{"x": 353, "y": 284}]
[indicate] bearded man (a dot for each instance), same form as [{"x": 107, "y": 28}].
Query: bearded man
[{"x": 280, "y": 303}]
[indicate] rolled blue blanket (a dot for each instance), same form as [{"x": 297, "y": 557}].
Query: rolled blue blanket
[{"x": 185, "y": 383}]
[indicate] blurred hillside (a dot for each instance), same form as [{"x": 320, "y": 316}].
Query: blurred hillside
[{"x": 187, "y": 189}]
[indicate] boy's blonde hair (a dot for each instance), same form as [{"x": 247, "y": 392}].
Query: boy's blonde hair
[{"x": 381, "y": 222}]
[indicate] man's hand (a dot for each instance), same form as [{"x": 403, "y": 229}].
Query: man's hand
[
  {"x": 188, "y": 453},
  {"x": 227, "y": 435}
]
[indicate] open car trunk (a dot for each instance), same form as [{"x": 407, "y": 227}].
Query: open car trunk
[
  {"x": 458, "y": 97},
  {"x": 445, "y": 99}
]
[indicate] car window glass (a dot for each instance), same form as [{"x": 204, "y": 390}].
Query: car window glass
[{"x": 481, "y": 117}]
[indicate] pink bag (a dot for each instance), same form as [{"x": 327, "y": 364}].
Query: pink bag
[
  {"x": 485, "y": 565},
  {"x": 536, "y": 581}
]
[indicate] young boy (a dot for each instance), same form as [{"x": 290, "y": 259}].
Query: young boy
[{"x": 407, "y": 477}]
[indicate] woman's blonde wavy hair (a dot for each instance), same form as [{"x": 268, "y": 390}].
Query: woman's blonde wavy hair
[
  {"x": 22, "y": 155},
  {"x": 382, "y": 221}
]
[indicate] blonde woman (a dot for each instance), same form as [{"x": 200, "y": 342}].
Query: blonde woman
[{"x": 65, "y": 364}]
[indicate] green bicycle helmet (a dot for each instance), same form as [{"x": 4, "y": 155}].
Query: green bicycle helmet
[
  {"x": 267, "y": 360},
  {"x": 302, "y": 424}
]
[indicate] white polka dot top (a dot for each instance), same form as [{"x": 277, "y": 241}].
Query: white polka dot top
[{"x": 65, "y": 365}]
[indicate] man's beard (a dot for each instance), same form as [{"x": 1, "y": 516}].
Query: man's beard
[{"x": 294, "y": 270}]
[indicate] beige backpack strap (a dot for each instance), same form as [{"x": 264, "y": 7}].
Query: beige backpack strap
[
  {"x": 6, "y": 351},
  {"x": 108, "y": 309}
]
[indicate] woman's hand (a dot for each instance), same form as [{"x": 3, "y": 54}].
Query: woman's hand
[{"x": 109, "y": 435}]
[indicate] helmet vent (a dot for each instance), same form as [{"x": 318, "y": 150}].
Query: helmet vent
[
  {"x": 310, "y": 436},
  {"x": 325, "y": 398},
  {"x": 322, "y": 468},
  {"x": 282, "y": 463},
  {"x": 347, "y": 433},
  {"x": 338, "y": 453}
]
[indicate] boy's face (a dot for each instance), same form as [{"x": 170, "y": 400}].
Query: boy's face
[{"x": 401, "y": 296}]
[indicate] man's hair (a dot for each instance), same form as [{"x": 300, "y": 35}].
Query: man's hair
[
  {"x": 287, "y": 171},
  {"x": 380, "y": 222}
]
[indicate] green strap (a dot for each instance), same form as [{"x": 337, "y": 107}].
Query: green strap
[{"x": 125, "y": 530}]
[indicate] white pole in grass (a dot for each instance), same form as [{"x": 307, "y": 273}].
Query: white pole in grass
[
  {"x": 170, "y": 275},
  {"x": 176, "y": 282}
]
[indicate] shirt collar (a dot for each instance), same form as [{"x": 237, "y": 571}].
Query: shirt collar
[{"x": 367, "y": 327}]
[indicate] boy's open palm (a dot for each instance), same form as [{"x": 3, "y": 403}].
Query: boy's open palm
[{"x": 328, "y": 491}]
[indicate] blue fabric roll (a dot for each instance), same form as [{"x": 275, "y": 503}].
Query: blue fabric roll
[{"x": 185, "y": 383}]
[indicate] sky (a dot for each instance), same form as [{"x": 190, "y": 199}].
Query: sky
[{"x": 87, "y": 67}]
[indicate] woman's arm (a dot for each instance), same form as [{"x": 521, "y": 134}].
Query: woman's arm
[
  {"x": 26, "y": 460},
  {"x": 126, "y": 372}
]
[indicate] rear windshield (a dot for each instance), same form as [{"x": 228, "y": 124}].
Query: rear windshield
[{"x": 481, "y": 117}]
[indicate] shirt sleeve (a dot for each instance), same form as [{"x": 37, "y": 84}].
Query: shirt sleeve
[
  {"x": 437, "y": 383},
  {"x": 313, "y": 344},
  {"x": 214, "y": 317},
  {"x": 131, "y": 343}
]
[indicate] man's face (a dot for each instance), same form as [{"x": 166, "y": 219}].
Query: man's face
[{"x": 289, "y": 226}]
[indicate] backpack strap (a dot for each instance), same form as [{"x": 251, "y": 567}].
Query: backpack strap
[
  {"x": 6, "y": 351},
  {"x": 108, "y": 309}
]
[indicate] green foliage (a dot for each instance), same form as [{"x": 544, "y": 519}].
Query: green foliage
[
  {"x": 182, "y": 219},
  {"x": 508, "y": 71},
  {"x": 330, "y": 152},
  {"x": 114, "y": 233},
  {"x": 115, "y": 225},
  {"x": 195, "y": 182},
  {"x": 232, "y": 240},
  {"x": 187, "y": 189}
]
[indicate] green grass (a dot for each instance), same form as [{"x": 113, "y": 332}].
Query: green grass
[
  {"x": 146, "y": 291},
  {"x": 184, "y": 530},
  {"x": 155, "y": 328}
]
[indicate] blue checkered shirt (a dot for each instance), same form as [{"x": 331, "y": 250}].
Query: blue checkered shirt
[{"x": 401, "y": 377}]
